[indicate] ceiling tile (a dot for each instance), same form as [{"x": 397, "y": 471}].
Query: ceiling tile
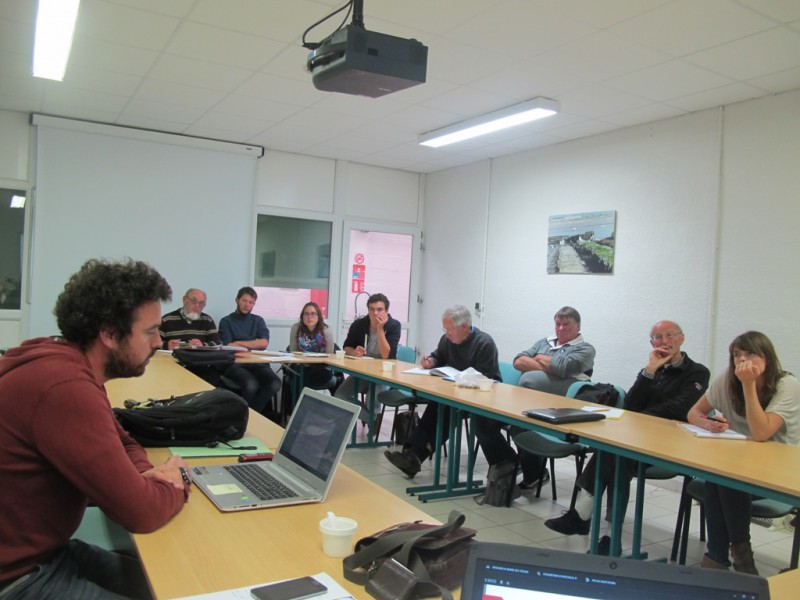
[
  {"x": 198, "y": 73},
  {"x": 221, "y": 46},
  {"x": 686, "y": 26},
  {"x": 158, "y": 111},
  {"x": 176, "y": 94},
  {"x": 599, "y": 100},
  {"x": 669, "y": 80},
  {"x": 175, "y": 8},
  {"x": 108, "y": 56},
  {"x": 768, "y": 52},
  {"x": 601, "y": 56},
  {"x": 239, "y": 127},
  {"x": 519, "y": 29},
  {"x": 258, "y": 17},
  {"x": 137, "y": 28},
  {"x": 645, "y": 114},
  {"x": 602, "y": 14},
  {"x": 782, "y": 10},
  {"x": 726, "y": 94},
  {"x": 781, "y": 81},
  {"x": 255, "y": 108}
]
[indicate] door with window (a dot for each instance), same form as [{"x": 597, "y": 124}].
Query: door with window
[{"x": 381, "y": 259}]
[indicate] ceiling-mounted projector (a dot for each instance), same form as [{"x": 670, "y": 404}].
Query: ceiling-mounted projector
[{"x": 366, "y": 63}]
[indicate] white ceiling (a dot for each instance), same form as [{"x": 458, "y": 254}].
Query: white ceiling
[{"x": 235, "y": 70}]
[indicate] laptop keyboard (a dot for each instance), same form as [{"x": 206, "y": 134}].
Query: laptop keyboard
[{"x": 261, "y": 483}]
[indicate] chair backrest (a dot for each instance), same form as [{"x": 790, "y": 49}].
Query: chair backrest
[
  {"x": 573, "y": 390},
  {"x": 509, "y": 373},
  {"x": 406, "y": 354}
]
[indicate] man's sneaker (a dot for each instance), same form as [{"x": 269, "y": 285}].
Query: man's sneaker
[
  {"x": 569, "y": 523},
  {"x": 406, "y": 461},
  {"x": 525, "y": 485}
]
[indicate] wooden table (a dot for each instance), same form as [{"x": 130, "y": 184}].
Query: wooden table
[{"x": 203, "y": 550}]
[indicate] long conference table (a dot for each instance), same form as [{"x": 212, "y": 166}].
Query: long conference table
[{"x": 203, "y": 550}]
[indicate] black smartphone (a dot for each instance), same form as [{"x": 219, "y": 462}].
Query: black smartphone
[{"x": 294, "y": 589}]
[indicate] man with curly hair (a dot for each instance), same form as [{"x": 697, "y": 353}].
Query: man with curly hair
[{"x": 60, "y": 445}]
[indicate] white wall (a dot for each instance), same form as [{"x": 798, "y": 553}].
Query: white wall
[
  {"x": 453, "y": 272},
  {"x": 759, "y": 270},
  {"x": 663, "y": 179}
]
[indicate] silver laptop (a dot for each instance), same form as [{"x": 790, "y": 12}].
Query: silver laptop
[
  {"x": 303, "y": 466},
  {"x": 496, "y": 571}
]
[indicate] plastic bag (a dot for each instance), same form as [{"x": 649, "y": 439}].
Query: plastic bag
[{"x": 469, "y": 378}]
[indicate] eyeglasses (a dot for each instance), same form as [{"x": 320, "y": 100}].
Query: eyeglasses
[
  {"x": 196, "y": 301},
  {"x": 310, "y": 314},
  {"x": 665, "y": 336}
]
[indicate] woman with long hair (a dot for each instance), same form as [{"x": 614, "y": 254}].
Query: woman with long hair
[
  {"x": 311, "y": 334},
  {"x": 755, "y": 397}
]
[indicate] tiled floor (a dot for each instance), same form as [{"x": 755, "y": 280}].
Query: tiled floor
[{"x": 523, "y": 522}]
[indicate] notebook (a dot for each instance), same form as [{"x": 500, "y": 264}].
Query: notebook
[
  {"x": 505, "y": 571},
  {"x": 729, "y": 434},
  {"x": 304, "y": 464},
  {"x": 563, "y": 415}
]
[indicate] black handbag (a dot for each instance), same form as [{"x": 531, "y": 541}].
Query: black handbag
[{"x": 435, "y": 555}]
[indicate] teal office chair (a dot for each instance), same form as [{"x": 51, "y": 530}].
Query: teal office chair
[
  {"x": 396, "y": 398},
  {"x": 550, "y": 448},
  {"x": 762, "y": 509},
  {"x": 510, "y": 374}
]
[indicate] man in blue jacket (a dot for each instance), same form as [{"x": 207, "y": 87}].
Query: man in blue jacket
[{"x": 258, "y": 382}]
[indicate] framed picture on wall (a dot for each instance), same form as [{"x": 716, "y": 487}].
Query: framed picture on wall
[{"x": 582, "y": 243}]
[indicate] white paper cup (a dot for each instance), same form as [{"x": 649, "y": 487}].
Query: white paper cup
[
  {"x": 337, "y": 535},
  {"x": 387, "y": 366},
  {"x": 485, "y": 385},
  {"x": 340, "y": 354}
]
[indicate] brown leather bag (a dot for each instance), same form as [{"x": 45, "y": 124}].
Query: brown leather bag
[{"x": 435, "y": 554}]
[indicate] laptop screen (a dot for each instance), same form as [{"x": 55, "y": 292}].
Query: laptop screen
[
  {"x": 506, "y": 572},
  {"x": 314, "y": 435}
]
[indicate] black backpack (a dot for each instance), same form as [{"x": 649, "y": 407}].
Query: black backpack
[
  {"x": 197, "y": 419},
  {"x": 599, "y": 393}
]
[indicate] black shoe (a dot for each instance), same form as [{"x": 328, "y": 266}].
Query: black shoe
[
  {"x": 569, "y": 523},
  {"x": 407, "y": 462},
  {"x": 604, "y": 546},
  {"x": 525, "y": 485}
]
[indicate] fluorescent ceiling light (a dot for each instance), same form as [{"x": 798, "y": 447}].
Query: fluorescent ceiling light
[
  {"x": 524, "y": 112},
  {"x": 55, "y": 25},
  {"x": 17, "y": 202}
]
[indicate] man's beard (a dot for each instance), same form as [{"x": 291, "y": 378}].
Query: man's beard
[
  {"x": 118, "y": 365},
  {"x": 191, "y": 316}
]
